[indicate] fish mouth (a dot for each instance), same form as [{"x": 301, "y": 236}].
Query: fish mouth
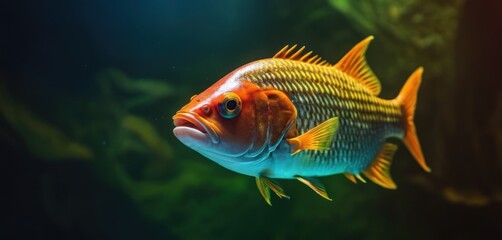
[{"x": 195, "y": 124}]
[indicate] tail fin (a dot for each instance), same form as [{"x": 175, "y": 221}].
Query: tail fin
[{"x": 407, "y": 99}]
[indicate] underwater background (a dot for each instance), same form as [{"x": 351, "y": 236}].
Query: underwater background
[{"x": 88, "y": 89}]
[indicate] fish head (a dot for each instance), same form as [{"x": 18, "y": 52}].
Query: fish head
[{"x": 234, "y": 121}]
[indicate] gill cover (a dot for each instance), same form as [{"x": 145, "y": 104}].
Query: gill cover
[
  {"x": 275, "y": 119},
  {"x": 248, "y": 120}
]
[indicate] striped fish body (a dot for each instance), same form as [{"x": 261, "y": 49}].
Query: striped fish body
[
  {"x": 320, "y": 92},
  {"x": 295, "y": 116}
]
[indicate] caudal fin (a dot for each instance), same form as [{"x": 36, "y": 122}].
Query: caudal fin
[{"x": 407, "y": 99}]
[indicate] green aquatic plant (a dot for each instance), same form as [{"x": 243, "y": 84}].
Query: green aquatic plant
[
  {"x": 142, "y": 91},
  {"x": 137, "y": 159},
  {"x": 410, "y": 29},
  {"x": 427, "y": 32},
  {"x": 42, "y": 139}
]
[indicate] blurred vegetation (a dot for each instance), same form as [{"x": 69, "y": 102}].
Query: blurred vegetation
[
  {"x": 127, "y": 137},
  {"x": 41, "y": 138},
  {"x": 414, "y": 31},
  {"x": 425, "y": 33}
]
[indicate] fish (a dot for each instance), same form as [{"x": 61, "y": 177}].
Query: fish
[{"x": 296, "y": 116}]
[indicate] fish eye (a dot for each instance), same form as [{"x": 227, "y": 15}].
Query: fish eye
[{"x": 230, "y": 106}]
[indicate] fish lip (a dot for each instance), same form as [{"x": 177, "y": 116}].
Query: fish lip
[{"x": 196, "y": 122}]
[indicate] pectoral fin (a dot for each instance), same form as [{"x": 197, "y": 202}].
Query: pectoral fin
[
  {"x": 265, "y": 184},
  {"x": 315, "y": 185},
  {"x": 317, "y": 138},
  {"x": 378, "y": 170}
]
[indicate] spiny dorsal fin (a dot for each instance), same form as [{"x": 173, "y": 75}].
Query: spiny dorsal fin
[
  {"x": 288, "y": 53},
  {"x": 354, "y": 64},
  {"x": 379, "y": 170},
  {"x": 317, "y": 138},
  {"x": 315, "y": 185}
]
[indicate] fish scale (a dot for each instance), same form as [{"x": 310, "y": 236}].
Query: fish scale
[
  {"x": 296, "y": 116},
  {"x": 365, "y": 120}
]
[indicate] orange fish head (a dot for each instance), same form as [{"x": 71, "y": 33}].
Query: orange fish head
[{"x": 234, "y": 121}]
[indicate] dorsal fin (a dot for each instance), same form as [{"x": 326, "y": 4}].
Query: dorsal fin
[
  {"x": 354, "y": 64},
  {"x": 288, "y": 52}
]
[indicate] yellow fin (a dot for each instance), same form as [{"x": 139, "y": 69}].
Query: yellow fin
[
  {"x": 378, "y": 170},
  {"x": 287, "y": 53},
  {"x": 354, "y": 64},
  {"x": 265, "y": 184},
  {"x": 407, "y": 99},
  {"x": 360, "y": 178},
  {"x": 350, "y": 177},
  {"x": 317, "y": 138},
  {"x": 315, "y": 185},
  {"x": 274, "y": 186},
  {"x": 264, "y": 189}
]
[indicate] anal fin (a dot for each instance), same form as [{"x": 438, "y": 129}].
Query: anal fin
[
  {"x": 350, "y": 177},
  {"x": 317, "y": 138},
  {"x": 353, "y": 177},
  {"x": 358, "y": 176},
  {"x": 379, "y": 170},
  {"x": 315, "y": 185}
]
